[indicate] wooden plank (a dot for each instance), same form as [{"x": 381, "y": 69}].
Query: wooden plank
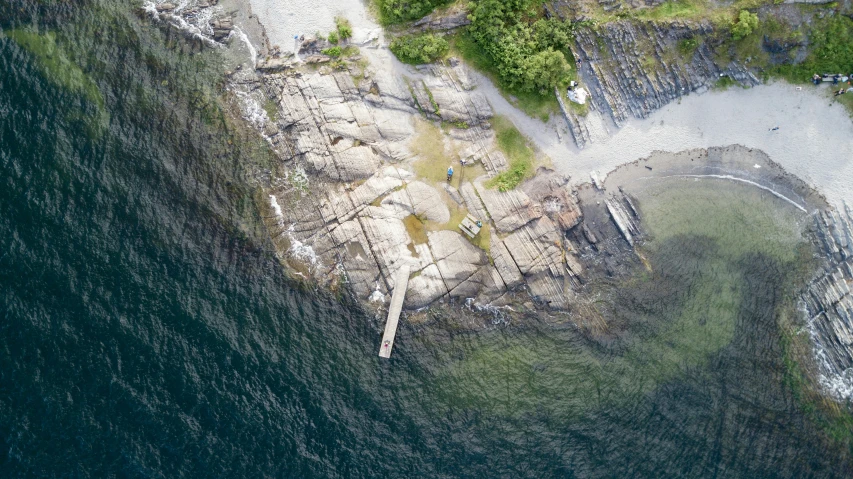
[{"x": 400, "y": 284}]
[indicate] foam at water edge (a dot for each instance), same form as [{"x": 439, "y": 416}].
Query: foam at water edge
[
  {"x": 202, "y": 17},
  {"x": 301, "y": 251},
  {"x": 245, "y": 39},
  {"x": 252, "y": 111},
  {"x": 276, "y": 207},
  {"x": 376, "y": 296},
  {"x": 838, "y": 385}
]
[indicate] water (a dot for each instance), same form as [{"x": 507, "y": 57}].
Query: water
[{"x": 149, "y": 331}]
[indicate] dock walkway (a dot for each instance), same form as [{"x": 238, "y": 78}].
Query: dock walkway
[{"x": 400, "y": 284}]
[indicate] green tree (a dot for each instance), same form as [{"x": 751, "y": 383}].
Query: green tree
[
  {"x": 746, "y": 23},
  {"x": 543, "y": 70},
  {"x": 398, "y": 11},
  {"x": 529, "y": 53}
]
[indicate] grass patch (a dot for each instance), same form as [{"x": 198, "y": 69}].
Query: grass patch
[
  {"x": 831, "y": 51},
  {"x": 399, "y": 11},
  {"x": 724, "y": 83},
  {"x": 517, "y": 150},
  {"x": 272, "y": 109},
  {"x": 416, "y": 229},
  {"x": 578, "y": 109},
  {"x": 432, "y": 160},
  {"x": 534, "y": 104},
  {"x": 847, "y": 101},
  {"x": 483, "y": 240},
  {"x": 673, "y": 9},
  {"x": 333, "y": 52},
  {"x": 432, "y": 101},
  {"x": 688, "y": 46}
]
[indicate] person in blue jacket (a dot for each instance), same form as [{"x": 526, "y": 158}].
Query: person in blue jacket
[{"x": 449, "y": 174}]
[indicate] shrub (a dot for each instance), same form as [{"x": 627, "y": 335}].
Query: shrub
[
  {"x": 333, "y": 37},
  {"x": 418, "y": 49},
  {"x": 333, "y": 52},
  {"x": 398, "y": 11},
  {"x": 746, "y": 23},
  {"x": 830, "y": 50},
  {"x": 344, "y": 28},
  {"x": 688, "y": 46}
]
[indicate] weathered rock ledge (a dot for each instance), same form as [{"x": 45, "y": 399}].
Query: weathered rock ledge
[
  {"x": 352, "y": 206},
  {"x": 829, "y": 302}
]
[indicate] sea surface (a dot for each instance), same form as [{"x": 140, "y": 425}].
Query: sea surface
[{"x": 148, "y": 330}]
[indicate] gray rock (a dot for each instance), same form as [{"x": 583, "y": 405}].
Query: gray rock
[
  {"x": 456, "y": 258},
  {"x": 623, "y": 66},
  {"x": 420, "y": 199},
  {"x": 509, "y": 210},
  {"x": 424, "y": 288},
  {"x": 448, "y": 20}
]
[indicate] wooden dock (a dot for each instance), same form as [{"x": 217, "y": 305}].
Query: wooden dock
[{"x": 401, "y": 282}]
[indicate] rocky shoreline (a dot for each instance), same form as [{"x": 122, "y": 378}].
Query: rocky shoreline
[
  {"x": 352, "y": 202},
  {"x": 829, "y": 303}
]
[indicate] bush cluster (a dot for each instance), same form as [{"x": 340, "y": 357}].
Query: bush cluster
[
  {"x": 418, "y": 49},
  {"x": 830, "y": 50},
  {"x": 333, "y": 52},
  {"x": 344, "y": 28},
  {"x": 530, "y": 53},
  {"x": 746, "y": 24},
  {"x": 398, "y": 11}
]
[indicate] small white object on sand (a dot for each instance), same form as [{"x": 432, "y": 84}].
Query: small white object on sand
[{"x": 578, "y": 95}]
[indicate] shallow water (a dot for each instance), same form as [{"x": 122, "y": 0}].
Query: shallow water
[{"x": 149, "y": 331}]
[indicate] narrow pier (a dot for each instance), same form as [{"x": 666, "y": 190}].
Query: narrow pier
[{"x": 400, "y": 284}]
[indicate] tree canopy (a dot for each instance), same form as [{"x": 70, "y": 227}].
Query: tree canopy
[{"x": 528, "y": 51}]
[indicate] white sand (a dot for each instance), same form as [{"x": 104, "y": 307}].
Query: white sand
[
  {"x": 283, "y": 19},
  {"x": 814, "y": 140}
]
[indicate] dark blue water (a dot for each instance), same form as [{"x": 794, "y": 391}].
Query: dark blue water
[{"x": 147, "y": 330}]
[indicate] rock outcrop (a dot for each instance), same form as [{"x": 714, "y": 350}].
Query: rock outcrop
[
  {"x": 350, "y": 206},
  {"x": 455, "y": 17},
  {"x": 829, "y": 303},
  {"x": 633, "y": 68}
]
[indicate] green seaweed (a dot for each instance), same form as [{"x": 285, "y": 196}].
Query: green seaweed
[{"x": 56, "y": 66}]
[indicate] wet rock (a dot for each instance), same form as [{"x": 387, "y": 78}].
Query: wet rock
[
  {"x": 222, "y": 27},
  {"x": 274, "y": 65},
  {"x": 829, "y": 301}
]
